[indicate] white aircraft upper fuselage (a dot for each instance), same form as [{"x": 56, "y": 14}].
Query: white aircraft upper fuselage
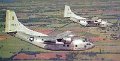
[
  {"x": 84, "y": 21},
  {"x": 63, "y": 41}
]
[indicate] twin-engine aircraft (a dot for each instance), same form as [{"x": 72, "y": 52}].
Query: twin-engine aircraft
[
  {"x": 84, "y": 21},
  {"x": 63, "y": 41}
]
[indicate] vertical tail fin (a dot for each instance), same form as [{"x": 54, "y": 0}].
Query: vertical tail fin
[
  {"x": 13, "y": 25},
  {"x": 69, "y": 13}
]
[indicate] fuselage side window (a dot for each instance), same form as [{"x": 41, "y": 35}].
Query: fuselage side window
[
  {"x": 67, "y": 45},
  {"x": 64, "y": 45},
  {"x": 96, "y": 21},
  {"x": 75, "y": 45}
]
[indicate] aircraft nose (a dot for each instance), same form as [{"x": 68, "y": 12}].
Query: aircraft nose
[
  {"x": 110, "y": 24},
  {"x": 90, "y": 45}
]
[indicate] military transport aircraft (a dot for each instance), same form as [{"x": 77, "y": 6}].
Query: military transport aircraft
[
  {"x": 84, "y": 21},
  {"x": 63, "y": 41}
]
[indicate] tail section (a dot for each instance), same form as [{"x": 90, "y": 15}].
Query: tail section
[
  {"x": 13, "y": 25},
  {"x": 69, "y": 13}
]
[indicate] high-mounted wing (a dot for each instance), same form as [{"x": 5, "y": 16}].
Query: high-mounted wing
[
  {"x": 62, "y": 38},
  {"x": 65, "y": 34}
]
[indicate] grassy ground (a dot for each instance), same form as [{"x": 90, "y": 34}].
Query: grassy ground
[
  {"x": 53, "y": 11},
  {"x": 12, "y": 45}
]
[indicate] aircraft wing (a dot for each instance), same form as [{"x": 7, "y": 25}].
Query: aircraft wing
[
  {"x": 95, "y": 18},
  {"x": 65, "y": 34},
  {"x": 60, "y": 37}
]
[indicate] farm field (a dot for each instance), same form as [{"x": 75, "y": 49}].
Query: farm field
[{"x": 46, "y": 16}]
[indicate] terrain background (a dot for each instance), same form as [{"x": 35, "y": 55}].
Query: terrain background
[{"x": 47, "y": 16}]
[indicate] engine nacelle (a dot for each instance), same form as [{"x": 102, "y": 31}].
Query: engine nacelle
[{"x": 67, "y": 40}]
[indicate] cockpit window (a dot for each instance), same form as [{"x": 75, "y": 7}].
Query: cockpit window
[
  {"x": 85, "y": 41},
  {"x": 88, "y": 44}
]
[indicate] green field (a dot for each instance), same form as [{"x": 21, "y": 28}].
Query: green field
[
  {"x": 49, "y": 14},
  {"x": 12, "y": 45}
]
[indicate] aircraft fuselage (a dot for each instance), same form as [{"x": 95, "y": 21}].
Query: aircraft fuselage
[{"x": 46, "y": 42}]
